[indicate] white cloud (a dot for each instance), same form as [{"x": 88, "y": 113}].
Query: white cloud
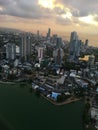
[{"x": 90, "y": 19}]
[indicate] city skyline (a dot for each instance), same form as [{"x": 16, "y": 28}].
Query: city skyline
[{"x": 62, "y": 16}]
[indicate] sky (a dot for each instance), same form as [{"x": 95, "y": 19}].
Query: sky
[{"x": 62, "y": 16}]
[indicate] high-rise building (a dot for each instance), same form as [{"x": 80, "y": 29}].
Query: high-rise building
[
  {"x": 58, "y": 42},
  {"x": 91, "y": 60},
  {"x": 38, "y": 34},
  {"x": 86, "y": 42},
  {"x": 26, "y": 46},
  {"x": 40, "y": 53},
  {"x": 58, "y": 56},
  {"x": 75, "y": 44},
  {"x": 49, "y": 33},
  {"x": 10, "y": 51}
]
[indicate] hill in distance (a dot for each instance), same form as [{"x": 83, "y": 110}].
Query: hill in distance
[{"x": 10, "y": 29}]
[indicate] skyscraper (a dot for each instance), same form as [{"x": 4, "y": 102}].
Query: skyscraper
[
  {"x": 75, "y": 44},
  {"x": 40, "y": 53},
  {"x": 91, "y": 60},
  {"x": 58, "y": 56},
  {"x": 49, "y": 33},
  {"x": 86, "y": 42},
  {"x": 10, "y": 51},
  {"x": 59, "y": 42},
  {"x": 38, "y": 34},
  {"x": 26, "y": 46}
]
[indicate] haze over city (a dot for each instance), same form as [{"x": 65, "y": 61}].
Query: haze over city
[{"x": 62, "y": 16}]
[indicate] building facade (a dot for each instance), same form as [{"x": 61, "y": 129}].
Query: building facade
[
  {"x": 74, "y": 50},
  {"x": 10, "y": 51},
  {"x": 40, "y": 53},
  {"x": 26, "y": 46},
  {"x": 58, "y": 55}
]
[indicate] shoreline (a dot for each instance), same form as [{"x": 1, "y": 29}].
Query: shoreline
[
  {"x": 2, "y": 82},
  {"x": 67, "y": 101}
]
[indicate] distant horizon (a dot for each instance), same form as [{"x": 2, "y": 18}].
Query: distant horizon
[
  {"x": 64, "y": 35},
  {"x": 62, "y": 16}
]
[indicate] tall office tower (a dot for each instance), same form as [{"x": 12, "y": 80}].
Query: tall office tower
[
  {"x": 54, "y": 39},
  {"x": 40, "y": 53},
  {"x": 58, "y": 55},
  {"x": 49, "y": 33},
  {"x": 23, "y": 46},
  {"x": 10, "y": 51},
  {"x": 38, "y": 34},
  {"x": 75, "y": 44},
  {"x": 13, "y": 51},
  {"x": 91, "y": 60},
  {"x": 86, "y": 43},
  {"x": 59, "y": 42},
  {"x": 26, "y": 46}
]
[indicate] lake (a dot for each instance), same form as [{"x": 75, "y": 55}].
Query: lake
[{"x": 22, "y": 110}]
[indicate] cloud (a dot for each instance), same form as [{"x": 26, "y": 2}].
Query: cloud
[
  {"x": 83, "y": 7},
  {"x": 96, "y": 18},
  {"x": 63, "y": 21},
  {"x": 59, "y": 11},
  {"x": 64, "y": 12},
  {"x": 23, "y": 9}
]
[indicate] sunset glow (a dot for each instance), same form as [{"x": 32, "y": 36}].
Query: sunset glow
[
  {"x": 89, "y": 20},
  {"x": 67, "y": 15},
  {"x": 62, "y": 16},
  {"x": 1, "y": 9},
  {"x": 46, "y": 3}
]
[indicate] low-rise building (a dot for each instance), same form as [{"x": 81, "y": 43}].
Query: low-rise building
[
  {"x": 81, "y": 83},
  {"x": 94, "y": 115},
  {"x": 34, "y": 86}
]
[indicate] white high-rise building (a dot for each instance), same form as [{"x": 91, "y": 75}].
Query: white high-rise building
[{"x": 40, "y": 53}]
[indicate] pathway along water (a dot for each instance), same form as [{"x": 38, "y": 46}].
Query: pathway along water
[{"x": 22, "y": 110}]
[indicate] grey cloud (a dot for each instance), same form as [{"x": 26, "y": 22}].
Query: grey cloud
[
  {"x": 5, "y": 2},
  {"x": 63, "y": 21},
  {"x": 84, "y": 7},
  {"x": 74, "y": 21},
  {"x": 23, "y": 9},
  {"x": 59, "y": 11}
]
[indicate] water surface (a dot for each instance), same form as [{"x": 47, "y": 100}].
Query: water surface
[{"x": 22, "y": 110}]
